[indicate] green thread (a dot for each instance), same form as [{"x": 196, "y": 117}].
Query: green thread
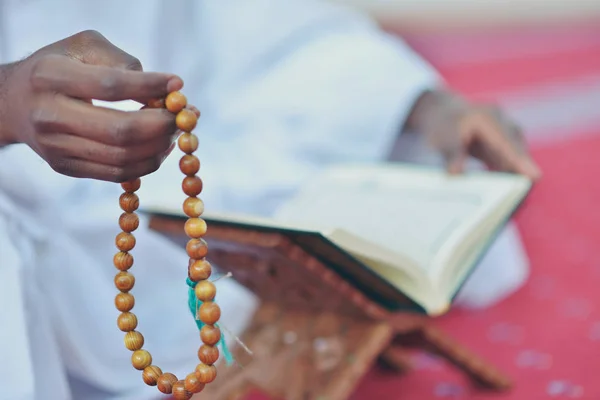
[{"x": 194, "y": 304}]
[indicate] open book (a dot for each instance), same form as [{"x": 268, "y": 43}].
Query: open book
[{"x": 417, "y": 228}]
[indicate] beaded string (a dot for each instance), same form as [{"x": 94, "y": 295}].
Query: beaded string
[
  {"x": 194, "y": 306},
  {"x": 199, "y": 269}
]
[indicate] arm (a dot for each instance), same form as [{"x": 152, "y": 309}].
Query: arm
[
  {"x": 294, "y": 87},
  {"x": 311, "y": 84}
]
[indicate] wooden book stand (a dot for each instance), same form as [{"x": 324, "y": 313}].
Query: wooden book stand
[{"x": 315, "y": 334}]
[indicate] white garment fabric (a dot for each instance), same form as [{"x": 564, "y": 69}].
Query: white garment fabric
[{"x": 285, "y": 87}]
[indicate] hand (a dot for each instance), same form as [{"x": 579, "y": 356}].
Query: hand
[
  {"x": 45, "y": 102},
  {"x": 458, "y": 129}
]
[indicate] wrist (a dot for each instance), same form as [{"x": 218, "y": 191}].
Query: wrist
[{"x": 6, "y": 135}]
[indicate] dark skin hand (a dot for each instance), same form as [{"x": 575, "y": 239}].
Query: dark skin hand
[
  {"x": 459, "y": 129},
  {"x": 45, "y": 102}
]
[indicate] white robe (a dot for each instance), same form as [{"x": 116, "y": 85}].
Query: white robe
[{"x": 285, "y": 87}]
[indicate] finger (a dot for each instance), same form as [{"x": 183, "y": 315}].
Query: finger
[
  {"x": 91, "y": 47},
  {"x": 103, "y": 125},
  {"x": 524, "y": 165},
  {"x": 517, "y": 140},
  {"x": 456, "y": 164},
  {"x": 453, "y": 151},
  {"x": 75, "y": 79},
  {"x": 489, "y": 142},
  {"x": 507, "y": 127},
  {"x": 79, "y": 168},
  {"x": 510, "y": 158},
  {"x": 194, "y": 109},
  {"x": 63, "y": 145}
]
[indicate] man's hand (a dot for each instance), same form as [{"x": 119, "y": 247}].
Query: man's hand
[
  {"x": 45, "y": 102},
  {"x": 458, "y": 129}
]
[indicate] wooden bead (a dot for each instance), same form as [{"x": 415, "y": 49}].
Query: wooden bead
[
  {"x": 180, "y": 392},
  {"x": 209, "y": 313},
  {"x": 124, "y": 302},
  {"x": 208, "y": 354},
  {"x": 124, "y": 281},
  {"x": 195, "y": 228},
  {"x": 129, "y": 202},
  {"x": 165, "y": 382},
  {"x": 199, "y": 270},
  {"x": 205, "y": 291},
  {"x": 210, "y": 335},
  {"x": 192, "y": 186},
  {"x": 127, "y": 322},
  {"x": 186, "y": 120},
  {"x": 134, "y": 340},
  {"x": 123, "y": 260},
  {"x": 193, "y": 207},
  {"x": 188, "y": 142},
  {"x": 206, "y": 373},
  {"x": 151, "y": 375},
  {"x": 189, "y": 165},
  {"x": 175, "y": 102},
  {"x": 141, "y": 359},
  {"x": 196, "y": 248},
  {"x": 129, "y": 222},
  {"x": 125, "y": 241},
  {"x": 132, "y": 186},
  {"x": 156, "y": 103},
  {"x": 192, "y": 384}
]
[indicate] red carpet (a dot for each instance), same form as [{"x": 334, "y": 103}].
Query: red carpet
[{"x": 547, "y": 336}]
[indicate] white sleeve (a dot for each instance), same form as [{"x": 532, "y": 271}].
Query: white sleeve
[{"x": 297, "y": 85}]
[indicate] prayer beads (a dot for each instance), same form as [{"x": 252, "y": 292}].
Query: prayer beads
[{"x": 199, "y": 269}]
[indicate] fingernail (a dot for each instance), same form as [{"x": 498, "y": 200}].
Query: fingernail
[
  {"x": 174, "y": 84},
  {"x": 195, "y": 110}
]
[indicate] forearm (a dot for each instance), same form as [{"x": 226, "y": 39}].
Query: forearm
[{"x": 356, "y": 92}]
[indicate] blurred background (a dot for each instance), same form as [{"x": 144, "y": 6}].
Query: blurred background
[{"x": 541, "y": 61}]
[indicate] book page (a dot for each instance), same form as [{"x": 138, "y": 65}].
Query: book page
[{"x": 414, "y": 211}]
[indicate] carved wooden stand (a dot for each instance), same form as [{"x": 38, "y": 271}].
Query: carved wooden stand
[{"x": 315, "y": 335}]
